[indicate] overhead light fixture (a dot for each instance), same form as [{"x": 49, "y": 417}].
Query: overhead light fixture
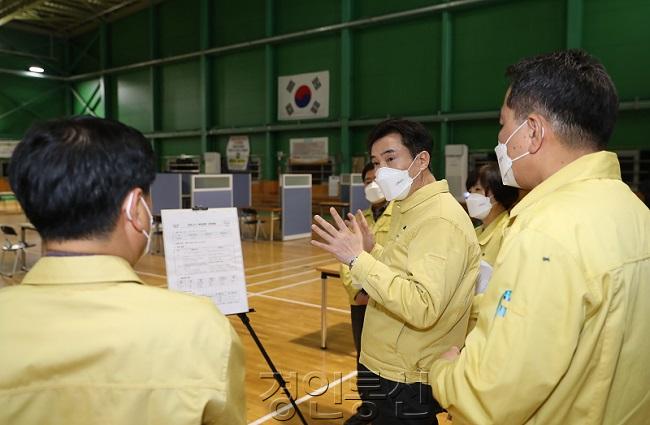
[{"x": 36, "y": 69}]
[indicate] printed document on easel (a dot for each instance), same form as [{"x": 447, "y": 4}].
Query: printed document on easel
[{"x": 203, "y": 256}]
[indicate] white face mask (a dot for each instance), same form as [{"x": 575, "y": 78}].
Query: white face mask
[
  {"x": 505, "y": 162},
  {"x": 374, "y": 195},
  {"x": 479, "y": 206},
  {"x": 395, "y": 183},
  {"x": 146, "y": 234}
]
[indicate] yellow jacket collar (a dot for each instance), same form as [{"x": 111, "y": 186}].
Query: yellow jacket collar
[
  {"x": 597, "y": 165},
  {"x": 389, "y": 209},
  {"x": 422, "y": 194},
  {"x": 487, "y": 232},
  {"x": 81, "y": 269},
  {"x": 387, "y": 212}
]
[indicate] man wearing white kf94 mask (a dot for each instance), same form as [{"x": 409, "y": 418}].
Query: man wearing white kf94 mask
[
  {"x": 420, "y": 282},
  {"x": 562, "y": 329},
  {"x": 84, "y": 340}
]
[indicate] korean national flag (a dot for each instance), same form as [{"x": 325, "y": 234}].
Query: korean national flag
[{"x": 304, "y": 96}]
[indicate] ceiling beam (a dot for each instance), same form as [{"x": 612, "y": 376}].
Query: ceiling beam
[{"x": 16, "y": 8}]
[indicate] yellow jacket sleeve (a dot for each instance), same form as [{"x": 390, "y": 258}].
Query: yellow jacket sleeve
[
  {"x": 528, "y": 327},
  {"x": 436, "y": 260},
  {"x": 377, "y": 250},
  {"x": 232, "y": 409},
  {"x": 346, "y": 279}
]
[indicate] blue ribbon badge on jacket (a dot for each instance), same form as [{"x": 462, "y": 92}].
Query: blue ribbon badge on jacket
[{"x": 501, "y": 308}]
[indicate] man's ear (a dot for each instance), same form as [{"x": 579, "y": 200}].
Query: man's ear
[
  {"x": 536, "y": 128},
  {"x": 424, "y": 160},
  {"x": 131, "y": 209}
]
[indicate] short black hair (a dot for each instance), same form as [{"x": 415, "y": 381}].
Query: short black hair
[
  {"x": 72, "y": 175},
  {"x": 489, "y": 176},
  {"x": 368, "y": 167},
  {"x": 571, "y": 89},
  {"x": 414, "y": 135}
]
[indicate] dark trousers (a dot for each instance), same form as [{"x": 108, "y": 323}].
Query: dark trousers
[
  {"x": 387, "y": 402},
  {"x": 357, "y": 313}
]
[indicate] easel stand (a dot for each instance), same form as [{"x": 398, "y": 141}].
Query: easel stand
[{"x": 246, "y": 321}]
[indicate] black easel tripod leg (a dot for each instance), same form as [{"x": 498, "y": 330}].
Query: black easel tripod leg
[{"x": 278, "y": 377}]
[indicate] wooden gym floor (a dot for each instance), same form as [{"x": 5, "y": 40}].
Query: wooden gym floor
[{"x": 285, "y": 291}]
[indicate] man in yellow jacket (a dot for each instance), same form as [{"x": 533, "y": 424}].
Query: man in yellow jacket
[
  {"x": 420, "y": 283},
  {"x": 562, "y": 332},
  {"x": 378, "y": 217},
  {"x": 82, "y": 339}
]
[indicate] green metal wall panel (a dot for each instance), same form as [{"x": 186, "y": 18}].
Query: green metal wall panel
[
  {"x": 396, "y": 69},
  {"x": 180, "y": 96},
  {"x": 134, "y": 100},
  {"x": 310, "y": 55},
  {"x": 617, "y": 32},
  {"x": 84, "y": 52},
  {"x": 25, "y": 42},
  {"x": 232, "y": 26},
  {"x": 239, "y": 88},
  {"x": 179, "y": 27},
  {"x": 41, "y": 100},
  {"x": 358, "y": 139},
  {"x": 478, "y": 135},
  {"x": 631, "y": 131},
  {"x": 46, "y": 52},
  {"x": 89, "y": 100},
  {"x": 367, "y": 8},
  {"x": 297, "y": 15},
  {"x": 130, "y": 39},
  {"x": 488, "y": 39},
  {"x": 180, "y": 146}
]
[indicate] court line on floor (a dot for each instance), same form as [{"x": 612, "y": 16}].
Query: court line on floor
[
  {"x": 248, "y": 285},
  {"x": 289, "y": 276},
  {"x": 279, "y": 288},
  {"x": 311, "y": 263},
  {"x": 304, "y": 398},
  {"x": 271, "y": 297},
  {"x": 247, "y": 277},
  {"x": 285, "y": 262}
]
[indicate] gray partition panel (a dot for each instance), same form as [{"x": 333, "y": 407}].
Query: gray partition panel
[
  {"x": 166, "y": 192},
  {"x": 358, "y": 199},
  {"x": 296, "y": 212},
  {"x": 213, "y": 198},
  {"x": 345, "y": 192},
  {"x": 241, "y": 188}
]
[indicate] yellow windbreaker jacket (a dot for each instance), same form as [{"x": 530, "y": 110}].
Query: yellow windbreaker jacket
[
  {"x": 83, "y": 341},
  {"x": 420, "y": 284},
  {"x": 562, "y": 334},
  {"x": 380, "y": 229}
]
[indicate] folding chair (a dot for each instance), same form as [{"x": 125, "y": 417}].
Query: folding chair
[
  {"x": 250, "y": 217},
  {"x": 13, "y": 244}
]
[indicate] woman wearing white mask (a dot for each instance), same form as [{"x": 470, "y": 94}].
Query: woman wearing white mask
[
  {"x": 378, "y": 217},
  {"x": 489, "y": 201}
]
